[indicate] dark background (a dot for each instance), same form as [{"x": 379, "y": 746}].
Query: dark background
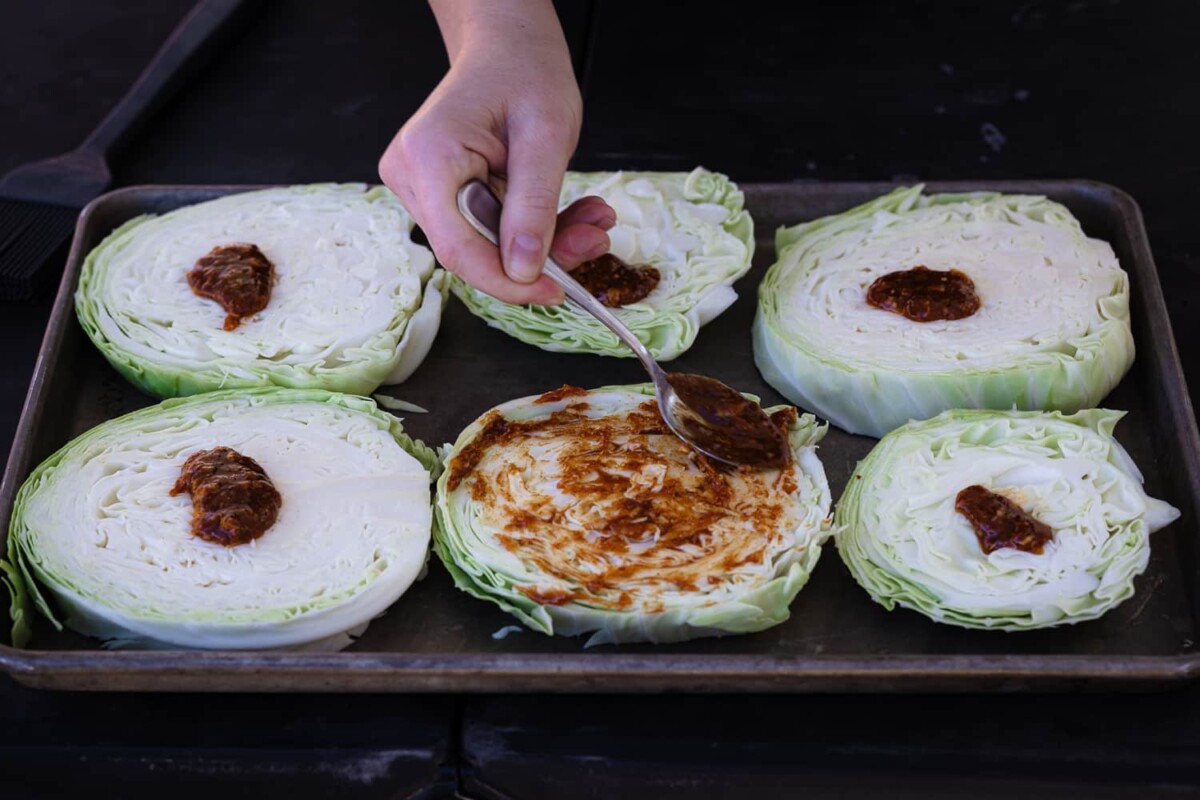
[{"x": 307, "y": 90}]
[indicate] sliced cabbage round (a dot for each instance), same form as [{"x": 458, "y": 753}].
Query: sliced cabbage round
[
  {"x": 899, "y": 533},
  {"x": 691, "y": 227},
  {"x": 618, "y": 560},
  {"x": 1052, "y": 333},
  {"x": 355, "y": 304},
  {"x": 95, "y": 527}
]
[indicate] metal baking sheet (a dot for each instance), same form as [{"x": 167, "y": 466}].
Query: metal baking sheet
[{"x": 439, "y": 639}]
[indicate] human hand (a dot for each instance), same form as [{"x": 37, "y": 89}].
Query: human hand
[{"x": 508, "y": 107}]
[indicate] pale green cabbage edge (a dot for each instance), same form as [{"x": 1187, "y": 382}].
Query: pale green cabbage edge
[
  {"x": 390, "y": 358},
  {"x": 22, "y": 571},
  {"x": 870, "y": 548},
  {"x": 873, "y": 402},
  {"x": 667, "y": 333},
  {"x": 460, "y": 547}
]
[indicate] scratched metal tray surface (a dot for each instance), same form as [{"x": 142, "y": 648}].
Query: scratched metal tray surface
[{"x": 436, "y": 638}]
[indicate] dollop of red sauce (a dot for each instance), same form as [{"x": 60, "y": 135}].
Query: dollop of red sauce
[
  {"x": 733, "y": 427},
  {"x": 238, "y": 276},
  {"x": 925, "y": 295},
  {"x": 615, "y": 283},
  {"x": 233, "y": 500},
  {"x": 999, "y": 522}
]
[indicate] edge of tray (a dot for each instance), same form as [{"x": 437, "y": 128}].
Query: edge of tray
[
  {"x": 396, "y": 672},
  {"x": 232, "y": 671}
]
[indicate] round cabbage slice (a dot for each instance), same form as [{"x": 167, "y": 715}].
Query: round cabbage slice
[
  {"x": 96, "y": 532},
  {"x": 355, "y": 302},
  {"x": 1052, "y": 333},
  {"x": 691, "y": 227},
  {"x": 904, "y": 542},
  {"x": 601, "y": 521}
]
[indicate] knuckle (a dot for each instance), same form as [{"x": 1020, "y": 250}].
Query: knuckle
[
  {"x": 451, "y": 258},
  {"x": 539, "y": 198},
  {"x": 411, "y": 143},
  {"x": 548, "y": 126},
  {"x": 551, "y": 138},
  {"x": 418, "y": 144},
  {"x": 390, "y": 171},
  {"x": 561, "y": 123},
  {"x": 395, "y": 177}
]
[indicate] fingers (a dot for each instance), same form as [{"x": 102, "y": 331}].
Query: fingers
[
  {"x": 425, "y": 166},
  {"x": 464, "y": 252},
  {"x": 590, "y": 210},
  {"x": 477, "y": 261},
  {"x": 575, "y": 244},
  {"x": 537, "y": 161},
  {"x": 581, "y": 233}
]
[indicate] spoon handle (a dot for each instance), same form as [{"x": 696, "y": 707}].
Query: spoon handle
[
  {"x": 481, "y": 208},
  {"x": 588, "y": 302}
]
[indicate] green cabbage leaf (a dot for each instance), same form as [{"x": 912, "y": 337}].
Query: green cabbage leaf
[
  {"x": 741, "y": 577},
  {"x": 692, "y": 227},
  {"x": 97, "y": 542},
  {"x": 904, "y": 542},
  {"x": 356, "y": 303},
  {"x": 1052, "y": 333}
]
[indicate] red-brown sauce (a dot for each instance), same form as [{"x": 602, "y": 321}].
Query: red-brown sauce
[
  {"x": 238, "y": 276},
  {"x": 925, "y": 295},
  {"x": 673, "y": 530},
  {"x": 999, "y": 522},
  {"x": 783, "y": 418},
  {"x": 615, "y": 283},
  {"x": 734, "y": 428},
  {"x": 561, "y": 393},
  {"x": 233, "y": 500},
  {"x": 496, "y": 430},
  {"x": 547, "y": 597}
]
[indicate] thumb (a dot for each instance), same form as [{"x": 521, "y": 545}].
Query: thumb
[{"x": 535, "y": 175}]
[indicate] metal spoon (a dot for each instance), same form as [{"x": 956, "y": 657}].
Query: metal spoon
[{"x": 717, "y": 420}]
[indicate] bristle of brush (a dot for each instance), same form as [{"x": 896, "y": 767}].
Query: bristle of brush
[{"x": 30, "y": 236}]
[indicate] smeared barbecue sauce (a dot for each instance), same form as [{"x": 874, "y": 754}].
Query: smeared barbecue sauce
[
  {"x": 548, "y": 597},
  {"x": 644, "y": 510},
  {"x": 561, "y": 393},
  {"x": 999, "y": 522},
  {"x": 233, "y": 500},
  {"x": 615, "y": 283},
  {"x": 238, "y": 276},
  {"x": 925, "y": 295}
]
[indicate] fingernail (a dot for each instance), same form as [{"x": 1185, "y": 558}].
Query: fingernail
[{"x": 524, "y": 262}]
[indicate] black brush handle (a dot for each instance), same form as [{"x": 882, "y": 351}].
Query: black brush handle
[{"x": 166, "y": 72}]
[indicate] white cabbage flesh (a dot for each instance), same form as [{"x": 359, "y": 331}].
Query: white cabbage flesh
[
  {"x": 904, "y": 542},
  {"x": 356, "y": 303},
  {"x": 739, "y": 576},
  {"x": 691, "y": 227},
  {"x": 96, "y": 525},
  {"x": 1053, "y": 330}
]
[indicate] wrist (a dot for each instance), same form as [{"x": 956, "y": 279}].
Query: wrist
[{"x": 503, "y": 27}]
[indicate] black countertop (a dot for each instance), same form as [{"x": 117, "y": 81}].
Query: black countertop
[{"x": 857, "y": 90}]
